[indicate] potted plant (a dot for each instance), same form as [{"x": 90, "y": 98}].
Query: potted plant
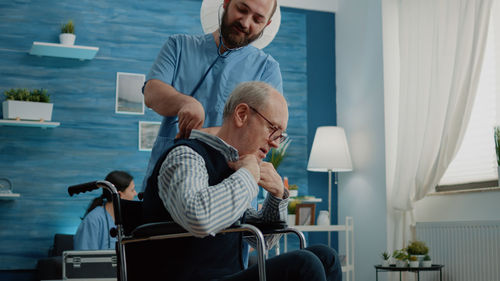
[
  {"x": 427, "y": 262},
  {"x": 413, "y": 261},
  {"x": 418, "y": 249},
  {"x": 497, "y": 149},
  {"x": 21, "y": 104},
  {"x": 401, "y": 258},
  {"x": 278, "y": 154},
  {"x": 385, "y": 259},
  {"x": 293, "y": 190},
  {"x": 292, "y": 204},
  {"x": 67, "y": 36}
]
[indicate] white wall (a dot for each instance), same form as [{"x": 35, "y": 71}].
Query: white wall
[
  {"x": 318, "y": 5},
  {"x": 360, "y": 109},
  {"x": 459, "y": 207}
]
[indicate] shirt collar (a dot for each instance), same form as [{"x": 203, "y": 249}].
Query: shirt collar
[{"x": 229, "y": 152}]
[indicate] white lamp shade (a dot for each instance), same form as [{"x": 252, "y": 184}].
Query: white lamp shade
[
  {"x": 212, "y": 9},
  {"x": 330, "y": 151}
]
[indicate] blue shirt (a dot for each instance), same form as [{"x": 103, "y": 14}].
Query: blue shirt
[
  {"x": 93, "y": 232},
  {"x": 192, "y": 65}
]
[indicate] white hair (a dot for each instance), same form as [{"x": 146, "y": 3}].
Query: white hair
[{"x": 254, "y": 93}]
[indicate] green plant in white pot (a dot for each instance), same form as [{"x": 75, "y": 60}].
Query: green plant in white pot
[
  {"x": 67, "y": 36},
  {"x": 293, "y": 190},
  {"x": 21, "y": 104},
  {"x": 385, "y": 259},
  {"x": 413, "y": 261},
  {"x": 401, "y": 258},
  {"x": 417, "y": 249},
  {"x": 427, "y": 262}
]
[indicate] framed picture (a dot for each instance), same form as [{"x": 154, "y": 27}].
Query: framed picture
[
  {"x": 147, "y": 134},
  {"x": 304, "y": 214},
  {"x": 129, "y": 97}
]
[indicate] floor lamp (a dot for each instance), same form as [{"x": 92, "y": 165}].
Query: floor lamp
[{"x": 329, "y": 153}]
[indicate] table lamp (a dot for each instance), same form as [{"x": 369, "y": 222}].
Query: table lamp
[{"x": 329, "y": 153}]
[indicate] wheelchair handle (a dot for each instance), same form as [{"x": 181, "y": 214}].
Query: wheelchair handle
[
  {"x": 83, "y": 187},
  {"x": 93, "y": 185}
]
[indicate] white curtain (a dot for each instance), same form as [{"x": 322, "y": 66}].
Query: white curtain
[{"x": 433, "y": 51}]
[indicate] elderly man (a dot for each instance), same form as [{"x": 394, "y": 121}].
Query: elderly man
[
  {"x": 194, "y": 74},
  {"x": 206, "y": 183}
]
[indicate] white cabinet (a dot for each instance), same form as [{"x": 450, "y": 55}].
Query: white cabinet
[{"x": 348, "y": 229}]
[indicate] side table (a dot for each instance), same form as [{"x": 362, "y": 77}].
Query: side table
[{"x": 434, "y": 267}]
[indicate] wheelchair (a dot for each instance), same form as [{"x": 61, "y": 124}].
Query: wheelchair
[{"x": 130, "y": 230}]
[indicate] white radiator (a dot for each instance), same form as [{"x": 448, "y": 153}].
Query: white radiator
[{"x": 469, "y": 251}]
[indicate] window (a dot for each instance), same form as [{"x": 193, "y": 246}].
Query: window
[{"x": 475, "y": 164}]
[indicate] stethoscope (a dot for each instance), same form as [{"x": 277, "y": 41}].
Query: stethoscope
[{"x": 219, "y": 55}]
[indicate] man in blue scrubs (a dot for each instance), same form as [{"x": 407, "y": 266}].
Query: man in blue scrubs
[{"x": 194, "y": 74}]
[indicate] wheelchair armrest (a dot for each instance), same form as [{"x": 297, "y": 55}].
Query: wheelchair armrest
[
  {"x": 268, "y": 227},
  {"x": 161, "y": 228},
  {"x": 165, "y": 228},
  {"x": 157, "y": 228}
]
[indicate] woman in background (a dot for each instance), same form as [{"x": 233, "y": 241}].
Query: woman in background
[{"x": 93, "y": 232}]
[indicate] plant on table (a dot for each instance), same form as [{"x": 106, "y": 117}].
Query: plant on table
[
  {"x": 413, "y": 261},
  {"x": 385, "y": 258},
  {"x": 401, "y": 257},
  {"x": 417, "y": 248},
  {"x": 427, "y": 262}
]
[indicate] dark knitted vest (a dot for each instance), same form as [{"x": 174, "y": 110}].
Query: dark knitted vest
[{"x": 193, "y": 258}]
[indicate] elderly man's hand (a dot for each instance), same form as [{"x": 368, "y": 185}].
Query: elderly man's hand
[
  {"x": 270, "y": 180},
  {"x": 191, "y": 116},
  {"x": 250, "y": 162}
]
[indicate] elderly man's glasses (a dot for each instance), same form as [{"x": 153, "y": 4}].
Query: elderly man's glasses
[{"x": 276, "y": 133}]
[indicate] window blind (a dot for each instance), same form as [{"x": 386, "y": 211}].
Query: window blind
[{"x": 476, "y": 158}]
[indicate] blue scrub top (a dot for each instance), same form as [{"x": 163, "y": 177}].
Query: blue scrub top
[
  {"x": 193, "y": 66},
  {"x": 93, "y": 232}
]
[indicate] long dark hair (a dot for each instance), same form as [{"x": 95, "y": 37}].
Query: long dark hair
[{"x": 120, "y": 179}]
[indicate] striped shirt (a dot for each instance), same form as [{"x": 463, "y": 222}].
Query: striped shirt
[{"x": 182, "y": 186}]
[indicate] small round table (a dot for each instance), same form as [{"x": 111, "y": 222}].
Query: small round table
[{"x": 434, "y": 267}]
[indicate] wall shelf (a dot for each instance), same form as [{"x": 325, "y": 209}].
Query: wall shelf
[
  {"x": 63, "y": 51},
  {"x": 41, "y": 124},
  {"x": 9, "y": 195}
]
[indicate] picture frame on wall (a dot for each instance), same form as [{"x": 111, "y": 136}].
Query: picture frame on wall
[
  {"x": 129, "y": 97},
  {"x": 148, "y": 130},
  {"x": 304, "y": 213}
]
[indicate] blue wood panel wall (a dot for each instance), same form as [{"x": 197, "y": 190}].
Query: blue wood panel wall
[{"x": 92, "y": 140}]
